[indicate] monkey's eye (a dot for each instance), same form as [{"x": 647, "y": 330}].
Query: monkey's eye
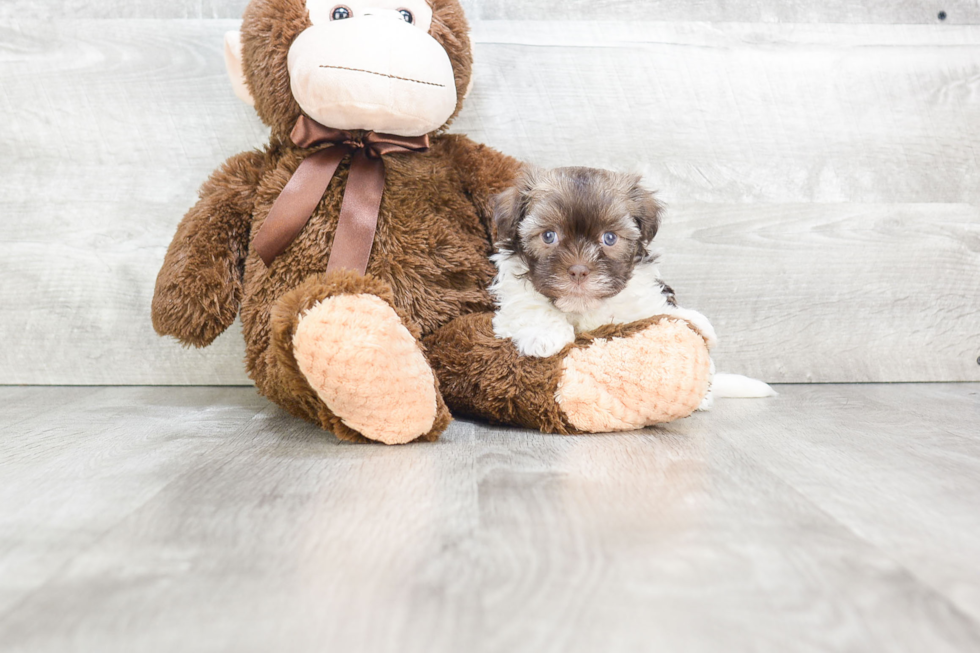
[
  {"x": 407, "y": 15},
  {"x": 340, "y": 13},
  {"x": 609, "y": 239},
  {"x": 549, "y": 237}
]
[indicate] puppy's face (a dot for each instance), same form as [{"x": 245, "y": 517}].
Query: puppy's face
[{"x": 580, "y": 231}]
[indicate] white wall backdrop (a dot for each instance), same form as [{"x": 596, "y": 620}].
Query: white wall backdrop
[{"x": 821, "y": 161}]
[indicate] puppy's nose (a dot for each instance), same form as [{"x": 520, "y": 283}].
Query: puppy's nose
[{"x": 578, "y": 273}]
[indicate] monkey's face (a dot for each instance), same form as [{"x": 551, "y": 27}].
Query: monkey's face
[
  {"x": 371, "y": 64},
  {"x": 392, "y": 66}
]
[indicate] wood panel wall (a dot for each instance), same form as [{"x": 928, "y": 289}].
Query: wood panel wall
[
  {"x": 823, "y": 179},
  {"x": 892, "y": 12}
]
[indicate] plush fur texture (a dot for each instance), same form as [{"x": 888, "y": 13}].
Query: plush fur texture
[
  {"x": 430, "y": 264},
  {"x": 614, "y": 378},
  {"x": 367, "y": 368},
  {"x": 199, "y": 289},
  {"x": 601, "y": 390},
  {"x": 282, "y": 379},
  {"x": 430, "y": 259}
]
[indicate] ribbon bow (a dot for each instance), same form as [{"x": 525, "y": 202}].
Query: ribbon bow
[{"x": 358, "y": 222}]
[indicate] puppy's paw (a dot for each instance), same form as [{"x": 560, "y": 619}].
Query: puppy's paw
[{"x": 543, "y": 343}]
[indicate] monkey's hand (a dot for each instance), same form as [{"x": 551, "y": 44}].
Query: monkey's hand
[{"x": 199, "y": 288}]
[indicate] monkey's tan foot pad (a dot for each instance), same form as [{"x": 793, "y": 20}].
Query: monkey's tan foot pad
[
  {"x": 367, "y": 368},
  {"x": 654, "y": 376}
]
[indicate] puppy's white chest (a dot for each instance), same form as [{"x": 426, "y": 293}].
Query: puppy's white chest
[
  {"x": 594, "y": 319},
  {"x": 641, "y": 298}
]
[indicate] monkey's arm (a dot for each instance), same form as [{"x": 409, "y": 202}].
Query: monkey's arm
[
  {"x": 199, "y": 288},
  {"x": 484, "y": 172}
]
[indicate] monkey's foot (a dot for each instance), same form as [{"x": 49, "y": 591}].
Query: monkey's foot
[
  {"x": 368, "y": 369},
  {"x": 656, "y": 375}
]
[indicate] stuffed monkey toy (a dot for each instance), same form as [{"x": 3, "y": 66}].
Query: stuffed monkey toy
[{"x": 355, "y": 246}]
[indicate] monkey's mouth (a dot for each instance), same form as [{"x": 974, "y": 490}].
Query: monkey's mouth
[{"x": 371, "y": 72}]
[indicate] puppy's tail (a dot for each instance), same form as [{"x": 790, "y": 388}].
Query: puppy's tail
[{"x": 736, "y": 386}]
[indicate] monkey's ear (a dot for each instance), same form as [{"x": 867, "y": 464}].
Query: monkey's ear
[
  {"x": 646, "y": 210},
  {"x": 236, "y": 69}
]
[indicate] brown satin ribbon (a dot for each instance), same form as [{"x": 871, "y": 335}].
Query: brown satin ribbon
[{"x": 358, "y": 222}]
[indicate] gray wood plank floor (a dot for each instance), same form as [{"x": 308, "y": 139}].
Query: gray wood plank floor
[{"x": 830, "y": 518}]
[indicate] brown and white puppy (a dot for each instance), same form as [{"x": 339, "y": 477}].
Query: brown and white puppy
[{"x": 574, "y": 254}]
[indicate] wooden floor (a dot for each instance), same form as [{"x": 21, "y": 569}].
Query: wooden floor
[{"x": 831, "y": 518}]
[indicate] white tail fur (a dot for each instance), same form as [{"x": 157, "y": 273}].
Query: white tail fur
[{"x": 736, "y": 386}]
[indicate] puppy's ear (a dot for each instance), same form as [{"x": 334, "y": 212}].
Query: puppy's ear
[
  {"x": 645, "y": 209},
  {"x": 506, "y": 215},
  {"x": 510, "y": 207}
]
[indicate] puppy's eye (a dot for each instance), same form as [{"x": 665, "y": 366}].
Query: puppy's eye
[
  {"x": 407, "y": 15},
  {"x": 609, "y": 239},
  {"x": 549, "y": 237},
  {"x": 340, "y": 13}
]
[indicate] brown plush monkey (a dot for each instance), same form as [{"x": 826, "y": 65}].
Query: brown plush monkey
[{"x": 358, "y": 96}]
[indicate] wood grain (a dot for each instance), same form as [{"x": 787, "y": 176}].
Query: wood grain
[
  {"x": 828, "y": 518},
  {"x": 767, "y": 11},
  {"x": 747, "y": 114},
  {"x": 87, "y": 458},
  {"x": 833, "y": 292},
  {"x": 822, "y": 182},
  {"x": 108, "y": 144},
  {"x": 745, "y": 11},
  {"x": 18, "y": 10},
  {"x": 14, "y": 10},
  {"x": 858, "y": 440}
]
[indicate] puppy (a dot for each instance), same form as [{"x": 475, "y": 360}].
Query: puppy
[{"x": 574, "y": 253}]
